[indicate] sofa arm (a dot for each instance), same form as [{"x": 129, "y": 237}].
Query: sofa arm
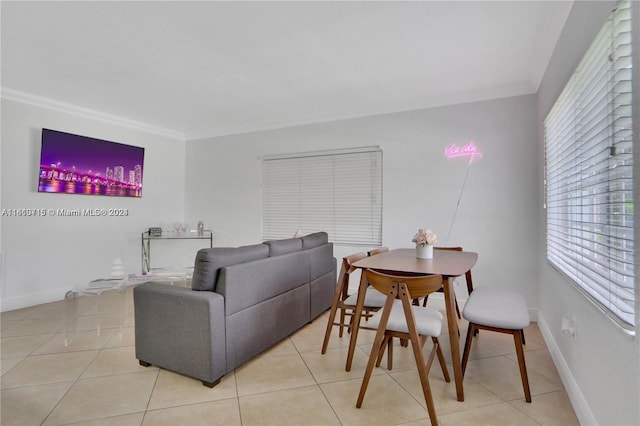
[{"x": 181, "y": 330}]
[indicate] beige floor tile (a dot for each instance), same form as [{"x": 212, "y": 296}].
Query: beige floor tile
[
  {"x": 30, "y": 405},
  {"x": 335, "y": 341},
  {"x": 497, "y": 415},
  {"x": 533, "y": 338},
  {"x": 385, "y": 402},
  {"x": 35, "y": 312},
  {"x": 7, "y": 323},
  {"x": 284, "y": 347},
  {"x": 104, "y": 397},
  {"x": 330, "y": 367},
  {"x": 134, "y": 419},
  {"x": 172, "y": 389},
  {"x": 107, "y": 302},
  {"x": 99, "y": 323},
  {"x": 541, "y": 362},
  {"x": 16, "y": 347},
  {"x": 271, "y": 373},
  {"x": 124, "y": 337},
  {"x": 30, "y": 327},
  {"x": 50, "y": 310},
  {"x": 306, "y": 339},
  {"x": 223, "y": 413},
  {"x": 444, "y": 394},
  {"x": 114, "y": 361},
  {"x": 19, "y": 314},
  {"x": 8, "y": 364},
  {"x": 310, "y": 338},
  {"x": 105, "y": 386},
  {"x": 365, "y": 337},
  {"x": 304, "y": 406},
  {"x": 502, "y": 376},
  {"x": 488, "y": 343},
  {"x": 551, "y": 409},
  {"x": 43, "y": 369},
  {"x": 82, "y": 341},
  {"x": 498, "y": 343},
  {"x": 403, "y": 357},
  {"x": 479, "y": 348}
]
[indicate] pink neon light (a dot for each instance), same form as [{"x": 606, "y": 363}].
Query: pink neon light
[{"x": 469, "y": 150}]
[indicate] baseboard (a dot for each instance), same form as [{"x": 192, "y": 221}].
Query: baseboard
[
  {"x": 579, "y": 402},
  {"x": 13, "y": 303}
]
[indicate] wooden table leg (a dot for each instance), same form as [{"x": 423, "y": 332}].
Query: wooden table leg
[
  {"x": 355, "y": 320},
  {"x": 452, "y": 322}
]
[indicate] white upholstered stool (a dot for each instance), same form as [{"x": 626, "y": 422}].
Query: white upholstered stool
[{"x": 501, "y": 310}]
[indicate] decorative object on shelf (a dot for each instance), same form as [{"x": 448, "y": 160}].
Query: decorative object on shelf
[
  {"x": 117, "y": 268},
  {"x": 200, "y": 229},
  {"x": 425, "y": 240},
  {"x": 180, "y": 227},
  {"x": 170, "y": 235},
  {"x": 155, "y": 232}
]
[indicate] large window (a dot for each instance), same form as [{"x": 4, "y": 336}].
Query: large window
[
  {"x": 339, "y": 192},
  {"x": 589, "y": 173}
]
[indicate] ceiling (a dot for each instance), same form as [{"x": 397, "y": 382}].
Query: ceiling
[{"x": 204, "y": 69}]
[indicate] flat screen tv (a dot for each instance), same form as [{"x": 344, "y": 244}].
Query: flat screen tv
[{"x": 74, "y": 164}]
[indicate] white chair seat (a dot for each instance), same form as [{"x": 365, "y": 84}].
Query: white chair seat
[
  {"x": 497, "y": 307},
  {"x": 428, "y": 321},
  {"x": 372, "y": 299}
]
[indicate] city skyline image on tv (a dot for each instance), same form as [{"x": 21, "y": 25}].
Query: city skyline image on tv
[{"x": 75, "y": 164}]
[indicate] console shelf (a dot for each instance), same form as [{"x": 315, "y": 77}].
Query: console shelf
[{"x": 187, "y": 235}]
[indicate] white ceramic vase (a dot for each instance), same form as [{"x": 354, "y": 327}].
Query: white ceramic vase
[{"x": 424, "y": 251}]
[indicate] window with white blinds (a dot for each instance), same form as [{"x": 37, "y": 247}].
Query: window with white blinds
[
  {"x": 589, "y": 173},
  {"x": 339, "y": 192}
]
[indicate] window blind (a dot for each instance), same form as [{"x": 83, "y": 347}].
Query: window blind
[
  {"x": 589, "y": 172},
  {"x": 339, "y": 192}
]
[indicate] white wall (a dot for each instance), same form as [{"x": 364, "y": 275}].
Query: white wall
[
  {"x": 498, "y": 213},
  {"x": 45, "y": 256},
  {"x": 600, "y": 366}
]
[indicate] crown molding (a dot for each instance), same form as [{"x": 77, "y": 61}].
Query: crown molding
[{"x": 27, "y": 98}]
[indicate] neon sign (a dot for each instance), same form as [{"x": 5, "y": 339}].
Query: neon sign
[{"x": 469, "y": 150}]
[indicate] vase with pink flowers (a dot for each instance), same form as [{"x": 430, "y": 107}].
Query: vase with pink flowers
[{"x": 425, "y": 240}]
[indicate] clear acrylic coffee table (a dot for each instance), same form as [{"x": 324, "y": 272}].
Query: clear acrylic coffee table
[{"x": 97, "y": 304}]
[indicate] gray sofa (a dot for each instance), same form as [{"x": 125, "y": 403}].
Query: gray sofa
[{"x": 243, "y": 300}]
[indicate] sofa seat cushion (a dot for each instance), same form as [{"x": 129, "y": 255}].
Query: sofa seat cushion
[{"x": 210, "y": 260}]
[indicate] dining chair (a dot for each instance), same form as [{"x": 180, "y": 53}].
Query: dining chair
[
  {"x": 467, "y": 277},
  {"x": 347, "y": 303},
  {"x": 373, "y": 300},
  {"x": 503, "y": 311},
  {"x": 377, "y": 250},
  {"x": 401, "y": 318}
]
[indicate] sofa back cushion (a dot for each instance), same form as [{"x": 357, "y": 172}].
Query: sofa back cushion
[
  {"x": 247, "y": 284},
  {"x": 210, "y": 260},
  {"x": 314, "y": 240},
  {"x": 279, "y": 247},
  {"x": 321, "y": 260}
]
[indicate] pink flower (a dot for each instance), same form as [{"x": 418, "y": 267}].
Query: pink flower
[{"x": 425, "y": 237}]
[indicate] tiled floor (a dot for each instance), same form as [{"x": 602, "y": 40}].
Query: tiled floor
[{"x": 96, "y": 380}]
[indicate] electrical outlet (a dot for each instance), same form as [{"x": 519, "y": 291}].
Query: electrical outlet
[{"x": 569, "y": 326}]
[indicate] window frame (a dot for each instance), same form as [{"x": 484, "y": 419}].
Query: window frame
[
  {"x": 574, "y": 248},
  {"x": 335, "y": 191}
]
